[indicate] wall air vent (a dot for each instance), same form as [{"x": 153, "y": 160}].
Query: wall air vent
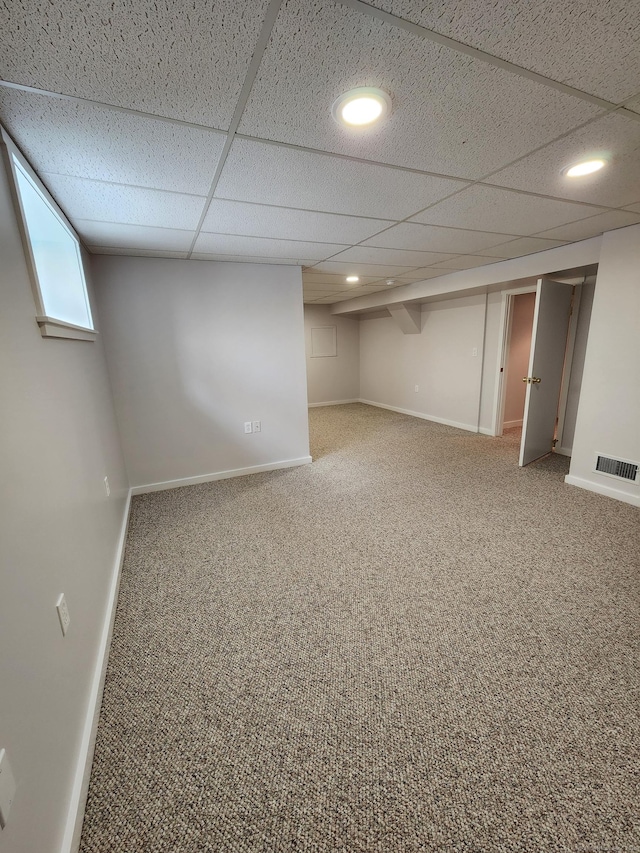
[{"x": 617, "y": 468}]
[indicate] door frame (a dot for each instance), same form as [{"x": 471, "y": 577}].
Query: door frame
[{"x": 506, "y": 316}]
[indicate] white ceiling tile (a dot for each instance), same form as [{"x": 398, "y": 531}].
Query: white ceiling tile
[
  {"x": 229, "y": 244},
  {"x": 614, "y": 186},
  {"x": 493, "y": 209},
  {"x": 328, "y": 280},
  {"x": 589, "y": 44},
  {"x": 593, "y": 226},
  {"x": 187, "y": 61},
  {"x": 319, "y": 50},
  {"x": 86, "y": 141},
  {"x": 136, "y": 253},
  {"x": 464, "y": 262},
  {"x": 395, "y": 257},
  {"x": 633, "y": 207},
  {"x": 271, "y": 174},
  {"x": 133, "y": 236},
  {"x": 433, "y": 238},
  {"x": 84, "y": 199},
  {"x": 634, "y": 104},
  {"x": 418, "y": 275},
  {"x": 523, "y": 246},
  {"x": 255, "y": 220},
  {"x": 361, "y": 269},
  {"x": 244, "y": 259},
  {"x": 337, "y": 297}
]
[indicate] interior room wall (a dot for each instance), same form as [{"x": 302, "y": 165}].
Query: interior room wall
[
  {"x": 609, "y": 407},
  {"x": 196, "y": 349},
  {"x": 59, "y": 533},
  {"x": 333, "y": 379},
  {"x": 587, "y": 291},
  {"x": 440, "y": 361},
  {"x": 517, "y": 362}
]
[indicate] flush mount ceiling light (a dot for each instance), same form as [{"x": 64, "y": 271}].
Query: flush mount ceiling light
[
  {"x": 584, "y": 167},
  {"x": 361, "y": 107},
  {"x": 351, "y": 278}
]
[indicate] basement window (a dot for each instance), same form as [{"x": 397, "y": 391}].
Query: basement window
[{"x": 53, "y": 254}]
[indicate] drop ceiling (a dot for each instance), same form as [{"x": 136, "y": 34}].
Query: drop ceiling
[{"x": 204, "y": 130}]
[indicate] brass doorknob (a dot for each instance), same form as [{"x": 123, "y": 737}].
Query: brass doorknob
[
  {"x": 535, "y": 380},
  {"x": 526, "y": 379}
]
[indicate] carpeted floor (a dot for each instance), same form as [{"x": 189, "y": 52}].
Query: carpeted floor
[{"x": 410, "y": 645}]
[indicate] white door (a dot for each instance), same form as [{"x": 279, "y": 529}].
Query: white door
[{"x": 548, "y": 345}]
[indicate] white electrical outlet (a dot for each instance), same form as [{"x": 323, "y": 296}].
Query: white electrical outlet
[
  {"x": 248, "y": 427},
  {"x": 257, "y": 426},
  {"x": 106, "y": 486},
  {"x": 7, "y": 788},
  {"x": 63, "y": 614},
  {"x": 417, "y": 388},
  {"x": 474, "y": 352}
]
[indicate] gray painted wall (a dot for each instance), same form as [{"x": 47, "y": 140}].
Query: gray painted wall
[
  {"x": 58, "y": 533},
  {"x": 439, "y": 361},
  {"x": 195, "y": 349},
  {"x": 609, "y": 407},
  {"x": 336, "y": 378}
]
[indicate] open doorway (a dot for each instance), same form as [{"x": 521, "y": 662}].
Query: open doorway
[
  {"x": 517, "y": 359},
  {"x": 535, "y": 364}
]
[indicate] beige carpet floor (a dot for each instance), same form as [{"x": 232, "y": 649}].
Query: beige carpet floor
[{"x": 409, "y": 645}]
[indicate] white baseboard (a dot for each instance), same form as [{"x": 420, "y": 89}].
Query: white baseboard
[
  {"x": 511, "y": 424},
  {"x": 601, "y": 489},
  {"x": 487, "y": 431},
  {"x": 563, "y": 451},
  {"x": 333, "y": 403},
  {"x": 219, "y": 475},
  {"x": 80, "y": 788},
  {"x": 467, "y": 427}
]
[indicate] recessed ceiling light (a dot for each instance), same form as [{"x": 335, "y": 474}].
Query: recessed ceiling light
[
  {"x": 586, "y": 167},
  {"x": 351, "y": 278},
  {"x": 361, "y": 107}
]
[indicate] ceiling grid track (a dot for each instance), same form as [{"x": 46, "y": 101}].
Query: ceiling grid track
[{"x": 256, "y": 59}]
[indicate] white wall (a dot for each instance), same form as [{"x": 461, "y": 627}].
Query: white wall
[
  {"x": 58, "y": 533},
  {"x": 608, "y": 420},
  {"x": 195, "y": 349},
  {"x": 517, "y": 362},
  {"x": 333, "y": 379},
  {"x": 439, "y": 360},
  {"x": 577, "y": 366}
]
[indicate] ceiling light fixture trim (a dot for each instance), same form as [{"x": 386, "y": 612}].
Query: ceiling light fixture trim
[{"x": 361, "y": 107}]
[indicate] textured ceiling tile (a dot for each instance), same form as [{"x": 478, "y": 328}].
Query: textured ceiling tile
[
  {"x": 492, "y": 209},
  {"x": 245, "y": 259},
  {"x": 84, "y": 199},
  {"x": 523, "y": 246},
  {"x": 270, "y": 174},
  {"x": 464, "y": 262},
  {"x": 592, "y": 45},
  {"x": 314, "y": 279},
  {"x": 183, "y": 60},
  {"x": 432, "y": 238},
  {"x": 69, "y": 138},
  {"x": 255, "y": 220},
  {"x": 228, "y": 244},
  {"x": 133, "y": 236},
  {"x": 634, "y": 104},
  {"x": 319, "y": 50},
  {"x": 614, "y": 186},
  {"x": 136, "y": 253},
  {"x": 397, "y": 257},
  {"x": 345, "y": 268},
  {"x": 418, "y": 275},
  {"x": 633, "y": 207},
  {"x": 593, "y": 226}
]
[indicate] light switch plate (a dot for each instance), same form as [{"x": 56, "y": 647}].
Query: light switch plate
[{"x": 7, "y": 788}]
